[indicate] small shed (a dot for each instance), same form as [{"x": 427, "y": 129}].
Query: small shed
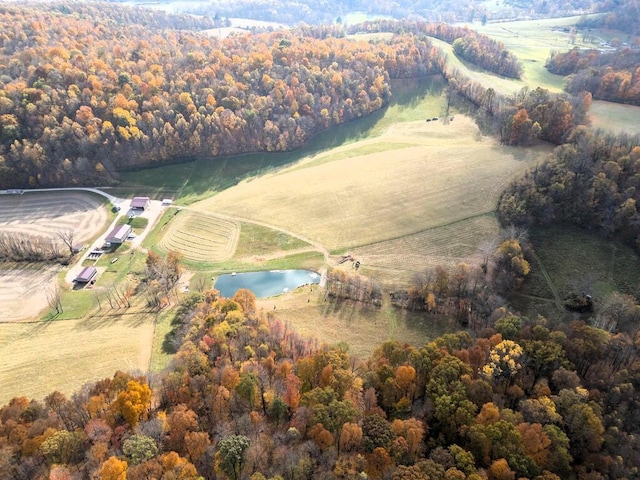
[
  {"x": 86, "y": 275},
  {"x": 140, "y": 203},
  {"x": 119, "y": 234}
]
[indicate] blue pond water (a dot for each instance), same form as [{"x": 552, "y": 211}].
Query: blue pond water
[{"x": 265, "y": 284}]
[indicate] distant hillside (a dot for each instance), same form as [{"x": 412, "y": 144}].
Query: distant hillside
[{"x": 314, "y": 12}]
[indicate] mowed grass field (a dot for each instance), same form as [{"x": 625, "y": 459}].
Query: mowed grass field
[
  {"x": 200, "y": 238},
  {"x": 42, "y": 357},
  {"x": 578, "y": 261},
  {"x": 400, "y": 186}
]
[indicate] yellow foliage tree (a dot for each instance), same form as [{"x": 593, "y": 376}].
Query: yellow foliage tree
[
  {"x": 133, "y": 403},
  {"x": 113, "y": 469}
]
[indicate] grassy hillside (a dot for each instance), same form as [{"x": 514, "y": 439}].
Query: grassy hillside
[{"x": 415, "y": 177}]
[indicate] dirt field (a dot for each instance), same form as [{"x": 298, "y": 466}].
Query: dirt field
[{"x": 42, "y": 214}]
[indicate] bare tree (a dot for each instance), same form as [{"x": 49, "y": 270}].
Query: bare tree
[
  {"x": 67, "y": 238},
  {"x": 487, "y": 249},
  {"x": 511, "y": 232},
  {"x": 54, "y": 298},
  {"x": 200, "y": 283}
]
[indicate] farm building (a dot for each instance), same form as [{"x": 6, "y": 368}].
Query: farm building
[
  {"x": 119, "y": 234},
  {"x": 86, "y": 275},
  {"x": 140, "y": 203}
]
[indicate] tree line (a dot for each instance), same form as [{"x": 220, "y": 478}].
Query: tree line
[
  {"x": 78, "y": 103},
  {"x": 592, "y": 181},
  {"x": 468, "y": 44},
  {"x": 611, "y": 76},
  {"x": 623, "y": 16}
]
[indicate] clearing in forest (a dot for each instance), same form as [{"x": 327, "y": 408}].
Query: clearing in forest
[{"x": 414, "y": 177}]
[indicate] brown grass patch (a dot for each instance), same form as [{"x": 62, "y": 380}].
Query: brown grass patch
[
  {"x": 360, "y": 326},
  {"x": 64, "y": 355}
]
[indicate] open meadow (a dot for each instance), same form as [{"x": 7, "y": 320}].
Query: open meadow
[
  {"x": 42, "y": 357},
  {"x": 360, "y": 326},
  {"x": 533, "y": 41},
  {"x": 569, "y": 260},
  {"x": 396, "y": 187}
]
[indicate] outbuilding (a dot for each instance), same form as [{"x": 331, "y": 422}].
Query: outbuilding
[
  {"x": 86, "y": 275},
  {"x": 118, "y": 235},
  {"x": 140, "y": 203}
]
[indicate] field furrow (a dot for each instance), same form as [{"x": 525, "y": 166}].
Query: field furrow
[{"x": 200, "y": 237}]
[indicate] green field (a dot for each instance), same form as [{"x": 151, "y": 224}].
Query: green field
[
  {"x": 598, "y": 264},
  {"x": 577, "y": 261},
  {"x": 533, "y": 41},
  {"x": 198, "y": 179}
]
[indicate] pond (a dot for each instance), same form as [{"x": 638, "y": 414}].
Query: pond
[{"x": 265, "y": 284}]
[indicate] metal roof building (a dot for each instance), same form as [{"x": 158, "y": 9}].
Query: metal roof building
[
  {"x": 86, "y": 275},
  {"x": 119, "y": 234}
]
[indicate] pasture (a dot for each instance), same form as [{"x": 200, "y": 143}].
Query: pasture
[
  {"x": 360, "y": 326},
  {"x": 533, "y": 41},
  {"x": 414, "y": 177},
  {"x": 41, "y": 357},
  {"x": 578, "y": 261}
]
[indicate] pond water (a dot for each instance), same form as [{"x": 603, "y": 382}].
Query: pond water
[{"x": 265, "y": 284}]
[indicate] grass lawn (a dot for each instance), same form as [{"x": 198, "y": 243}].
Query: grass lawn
[{"x": 615, "y": 117}]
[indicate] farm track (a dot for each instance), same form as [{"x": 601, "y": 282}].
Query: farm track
[{"x": 547, "y": 277}]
